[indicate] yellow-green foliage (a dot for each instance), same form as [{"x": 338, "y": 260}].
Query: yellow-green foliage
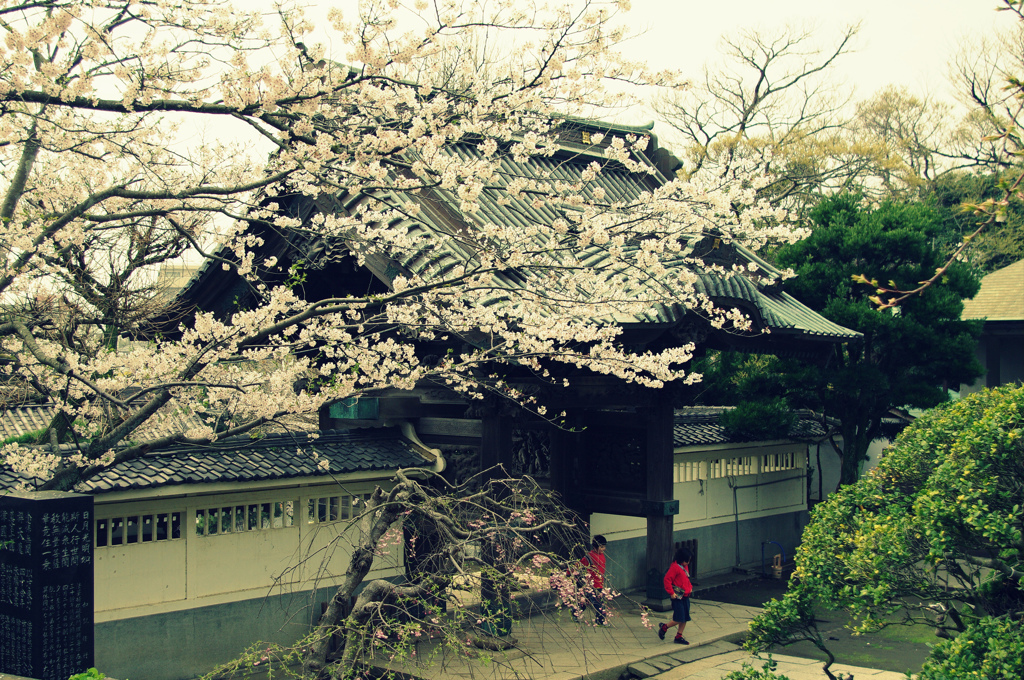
[
  {"x": 934, "y": 534},
  {"x": 991, "y": 649}
]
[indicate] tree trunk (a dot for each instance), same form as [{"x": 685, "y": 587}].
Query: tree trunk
[{"x": 373, "y": 525}]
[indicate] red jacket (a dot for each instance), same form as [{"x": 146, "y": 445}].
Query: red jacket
[
  {"x": 677, "y": 579},
  {"x": 594, "y": 565}
]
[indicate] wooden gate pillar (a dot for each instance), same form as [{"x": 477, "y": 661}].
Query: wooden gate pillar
[
  {"x": 496, "y": 439},
  {"x": 659, "y": 507}
]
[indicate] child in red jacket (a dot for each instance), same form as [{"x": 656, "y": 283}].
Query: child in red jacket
[
  {"x": 593, "y": 566},
  {"x": 678, "y": 587}
]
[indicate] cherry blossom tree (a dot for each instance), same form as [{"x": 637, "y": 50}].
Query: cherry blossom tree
[{"x": 103, "y": 179}]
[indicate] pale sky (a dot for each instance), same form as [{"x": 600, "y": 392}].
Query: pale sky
[
  {"x": 906, "y": 42},
  {"x": 901, "y": 42}
]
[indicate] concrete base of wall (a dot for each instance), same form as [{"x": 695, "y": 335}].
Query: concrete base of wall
[
  {"x": 717, "y": 550},
  {"x": 189, "y": 643}
]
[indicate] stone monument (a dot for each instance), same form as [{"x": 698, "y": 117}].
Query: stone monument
[{"x": 46, "y": 584}]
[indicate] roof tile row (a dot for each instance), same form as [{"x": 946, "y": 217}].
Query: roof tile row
[{"x": 242, "y": 459}]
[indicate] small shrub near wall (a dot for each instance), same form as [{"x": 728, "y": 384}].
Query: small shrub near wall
[{"x": 758, "y": 420}]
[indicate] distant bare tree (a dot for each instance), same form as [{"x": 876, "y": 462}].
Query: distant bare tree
[
  {"x": 768, "y": 100},
  {"x": 906, "y": 136},
  {"x": 985, "y": 73}
]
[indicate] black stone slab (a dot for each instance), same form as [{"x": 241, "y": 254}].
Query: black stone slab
[{"x": 46, "y": 584}]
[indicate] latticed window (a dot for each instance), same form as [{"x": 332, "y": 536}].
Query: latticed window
[
  {"x": 162, "y": 526},
  {"x": 687, "y": 471},
  {"x": 241, "y": 518},
  {"x": 779, "y": 461},
  {"x": 338, "y": 508},
  {"x": 732, "y": 467}
]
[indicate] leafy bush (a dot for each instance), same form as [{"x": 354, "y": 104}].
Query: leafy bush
[
  {"x": 992, "y": 649},
  {"x": 91, "y": 674},
  {"x": 758, "y": 420},
  {"x": 934, "y": 534}
]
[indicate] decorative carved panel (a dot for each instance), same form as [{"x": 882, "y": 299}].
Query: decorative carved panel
[{"x": 531, "y": 452}]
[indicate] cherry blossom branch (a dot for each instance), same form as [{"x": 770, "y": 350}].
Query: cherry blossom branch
[
  {"x": 79, "y": 210},
  {"x": 887, "y": 298},
  {"x": 60, "y": 367},
  {"x": 67, "y": 477}
]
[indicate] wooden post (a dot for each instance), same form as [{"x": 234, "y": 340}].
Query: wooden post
[
  {"x": 495, "y": 449},
  {"x": 659, "y": 489},
  {"x": 496, "y": 440}
]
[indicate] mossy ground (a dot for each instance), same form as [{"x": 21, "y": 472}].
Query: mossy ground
[{"x": 896, "y": 648}]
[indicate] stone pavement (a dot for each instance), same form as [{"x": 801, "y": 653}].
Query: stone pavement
[{"x": 551, "y": 646}]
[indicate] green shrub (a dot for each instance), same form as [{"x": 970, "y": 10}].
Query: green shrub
[
  {"x": 992, "y": 649},
  {"x": 748, "y": 672},
  {"x": 758, "y": 420},
  {"x": 91, "y": 674},
  {"x": 933, "y": 535}
]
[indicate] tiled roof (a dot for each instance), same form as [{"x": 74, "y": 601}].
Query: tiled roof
[
  {"x": 19, "y": 420},
  {"x": 241, "y": 459},
  {"x": 699, "y": 426},
  {"x": 773, "y": 309},
  {"x": 778, "y": 311},
  {"x": 1001, "y": 297}
]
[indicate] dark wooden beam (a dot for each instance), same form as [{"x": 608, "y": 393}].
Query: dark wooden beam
[
  {"x": 496, "y": 440},
  {"x": 660, "y": 459}
]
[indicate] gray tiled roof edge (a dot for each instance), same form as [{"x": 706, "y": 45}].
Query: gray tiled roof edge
[{"x": 242, "y": 459}]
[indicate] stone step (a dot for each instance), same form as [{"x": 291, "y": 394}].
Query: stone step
[{"x": 656, "y": 665}]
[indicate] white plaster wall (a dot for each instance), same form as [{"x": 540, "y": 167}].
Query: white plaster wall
[
  {"x": 132, "y": 574},
  {"x": 240, "y": 561},
  {"x": 128, "y": 574},
  {"x": 782, "y": 489},
  {"x": 197, "y": 570},
  {"x": 828, "y": 471},
  {"x": 689, "y": 510},
  {"x": 708, "y": 502}
]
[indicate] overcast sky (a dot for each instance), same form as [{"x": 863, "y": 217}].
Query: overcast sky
[
  {"x": 902, "y": 42},
  {"x": 906, "y": 42}
]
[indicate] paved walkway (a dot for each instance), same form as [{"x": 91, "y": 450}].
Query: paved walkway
[{"x": 551, "y": 646}]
